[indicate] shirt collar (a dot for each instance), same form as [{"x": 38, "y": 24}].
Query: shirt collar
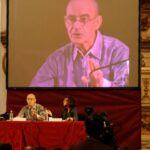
[{"x": 95, "y": 50}]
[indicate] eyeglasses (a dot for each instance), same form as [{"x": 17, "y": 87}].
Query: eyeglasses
[{"x": 82, "y": 19}]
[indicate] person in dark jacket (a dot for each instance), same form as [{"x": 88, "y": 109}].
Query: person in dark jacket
[{"x": 70, "y": 111}]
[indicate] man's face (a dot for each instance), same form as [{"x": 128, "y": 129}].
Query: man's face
[
  {"x": 31, "y": 100},
  {"x": 82, "y": 22}
]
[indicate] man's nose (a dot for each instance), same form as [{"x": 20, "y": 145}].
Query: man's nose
[{"x": 77, "y": 24}]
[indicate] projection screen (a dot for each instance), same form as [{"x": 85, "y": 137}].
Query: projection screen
[{"x": 38, "y": 31}]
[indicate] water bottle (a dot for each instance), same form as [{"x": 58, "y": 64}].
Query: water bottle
[{"x": 11, "y": 116}]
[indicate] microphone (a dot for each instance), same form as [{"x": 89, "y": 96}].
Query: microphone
[{"x": 116, "y": 63}]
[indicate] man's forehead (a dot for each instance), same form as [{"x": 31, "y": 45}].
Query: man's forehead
[
  {"x": 76, "y": 7},
  {"x": 31, "y": 96}
]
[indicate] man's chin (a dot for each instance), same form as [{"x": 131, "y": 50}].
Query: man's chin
[{"x": 77, "y": 41}]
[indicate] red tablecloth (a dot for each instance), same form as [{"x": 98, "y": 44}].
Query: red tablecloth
[{"x": 46, "y": 134}]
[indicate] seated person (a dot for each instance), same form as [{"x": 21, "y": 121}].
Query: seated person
[
  {"x": 94, "y": 129},
  {"x": 69, "y": 112},
  {"x": 90, "y": 59},
  {"x": 32, "y": 111}
]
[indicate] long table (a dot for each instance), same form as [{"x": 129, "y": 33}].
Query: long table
[{"x": 49, "y": 135}]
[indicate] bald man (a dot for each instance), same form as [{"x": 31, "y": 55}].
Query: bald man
[
  {"x": 32, "y": 111},
  {"x": 91, "y": 59}
]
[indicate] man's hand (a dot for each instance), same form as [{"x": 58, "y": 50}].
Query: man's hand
[{"x": 95, "y": 78}]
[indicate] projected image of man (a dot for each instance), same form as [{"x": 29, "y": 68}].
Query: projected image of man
[{"x": 91, "y": 59}]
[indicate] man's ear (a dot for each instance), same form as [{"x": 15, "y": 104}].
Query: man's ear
[{"x": 98, "y": 22}]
